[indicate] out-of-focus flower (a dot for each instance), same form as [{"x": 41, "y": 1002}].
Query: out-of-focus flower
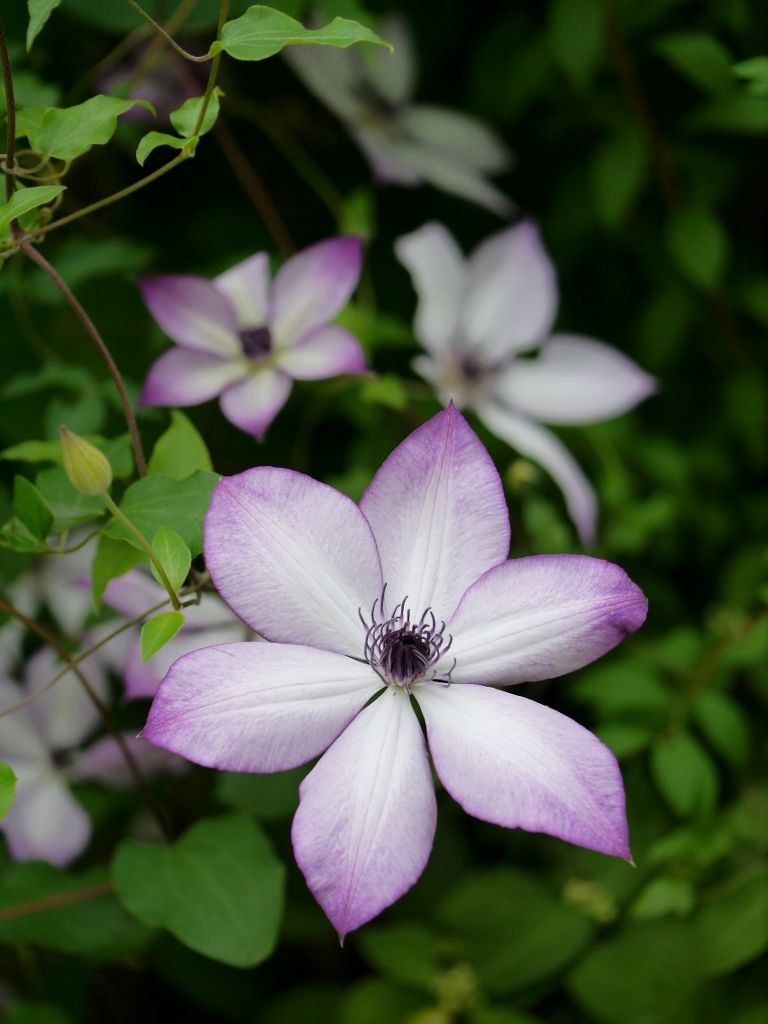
[
  {"x": 482, "y": 317},
  {"x": 41, "y": 743},
  {"x": 161, "y": 78},
  {"x": 406, "y": 143},
  {"x": 408, "y": 596},
  {"x": 246, "y": 339}
]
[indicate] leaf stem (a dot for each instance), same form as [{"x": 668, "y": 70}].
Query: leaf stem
[
  {"x": 167, "y": 37},
  {"x": 123, "y": 518},
  {"x": 10, "y": 109}
]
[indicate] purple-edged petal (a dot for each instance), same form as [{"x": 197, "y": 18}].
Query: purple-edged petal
[
  {"x": 455, "y": 136},
  {"x": 519, "y": 764},
  {"x": 539, "y": 617},
  {"x": 246, "y": 285},
  {"x": 252, "y": 403},
  {"x": 437, "y": 510},
  {"x": 257, "y": 707},
  {"x": 540, "y": 445},
  {"x": 436, "y": 266},
  {"x": 511, "y": 296},
  {"x": 180, "y": 377},
  {"x": 134, "y": 593},
  {"x": 574, "y": 380},
  {"x": 192, "y": 312},
  {"x": 105, "y": 762},
  {"x": 45, "y": 821},
  {"x": 64, "y": 715},
  {"x": 327, "y": 352},
  {"x": 366, "y": 819},
  {"x": 313, "y": 286},
  {"x": 294, "y": 558}
]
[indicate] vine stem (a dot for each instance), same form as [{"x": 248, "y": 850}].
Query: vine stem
[
  {"x": 123, "y": 518},
  {"x": 10, "y": 107},
  {"x": 37, "y": 257},
  {"x": 133, "y": 765},
  {"x": 56, "y": 900},
  {"x": 203, "y": 58}
]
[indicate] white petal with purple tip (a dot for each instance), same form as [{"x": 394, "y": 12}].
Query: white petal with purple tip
[
  {"x": 327, "y": 352},
  {"x": 519, "y": 764},
  {"x": 366, "y": 819},
  {"x": 257, "y": 707},
  {"x": 246, "y": 285},
  {"x": 540, "y": 617},
  {"x": 436, "y": 266},
  {"x": 438, "y": 513},
  {"x": 180, "y": 377},
  {"x": 192, "y": 312},
  {"x": 252, "y": 403},
  {"x": 294, "y": 558},
  {"x": 45, "y": 821}
]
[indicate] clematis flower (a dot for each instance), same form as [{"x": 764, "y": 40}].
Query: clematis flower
[
  {"x": 406, "y": 143},
  {"x": 246, "y": 339},
  {"x": 407, "y": 597},
  {"x": 481, "y": 318}
]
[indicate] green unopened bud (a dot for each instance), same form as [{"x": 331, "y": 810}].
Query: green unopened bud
[{"x": 88, "y": 469}]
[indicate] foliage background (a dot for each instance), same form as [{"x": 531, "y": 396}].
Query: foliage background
[{"x": 642, "y": 155}]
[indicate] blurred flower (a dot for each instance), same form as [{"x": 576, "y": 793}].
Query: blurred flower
[
  {"x": 245, "y": 339},
  {"x": 480, "y": 318},
  {"x": 160, "y": 78},
  {"x": 406, "y": 143},
  {"x": 40, "y": 743},
  {"x": 407, "y": 596}
]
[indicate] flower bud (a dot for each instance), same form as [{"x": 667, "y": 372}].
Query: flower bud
[{"x": 88, "y": 469}]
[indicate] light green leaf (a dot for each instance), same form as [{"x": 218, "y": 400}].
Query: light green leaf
[
  {"x": 173, "y": 554},
  {"x": 180, "y": 450},
  {"x": 699, "y": 246},
  {"x": 219, "y": 889},
  {"x": 663, "y": 896},
  {"x": 68, "y": 132},
  {"x": 24, "y": 200},
  {"x": 262, "y": 32},
  {"x": 39, "y": 12},
  {"x": 685, "y": 775},
  {"x": 723, "y": 724},
  {"x": 754, "y": 71},
  {"x": 184, "y": 120},
  {"x": 157, "y": 631},
  {"x": 159, "y": 500},
  {"x": 7, "y": 788},
  {"x": 701, "y": 58},
  {"x": 113, "y": 558},
  {"x": 30, "y": 508},
  {"x": 152, "y": 140},
  {"x": 625, "y": 739}
]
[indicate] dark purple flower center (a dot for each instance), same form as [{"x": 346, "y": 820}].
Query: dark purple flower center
[
  {"x": 404, "y": 655},
  {"x": 471, "y": 368},
  {"x": 256, "y": 342}
]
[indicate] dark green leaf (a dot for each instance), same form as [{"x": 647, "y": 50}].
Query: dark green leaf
[
  {"x": 733, "y": 929},
  {"x": 113, "y": 558},
  {"x": 406, "y": 953},
  {"x": 723, "y": 724},
  {"x": 69, "y": 507},
  {"x": 31, "y": 508},
  {"x": 685, "y": 775},
  {"x": 576, "y": 37},
  {"x": 701, "y": 58},
  {"x": 264, "y": 796},
  {"x": 618, "y": 171},
  {"x": 699, "y": 246},
  {"x": 25, "y": 199}
]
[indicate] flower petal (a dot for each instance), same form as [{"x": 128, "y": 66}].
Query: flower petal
[
  {"x": 539, "y": 617},
  {"x": 388, "y": 160},
  {"x": 45, "y": 821},
  {"x": 332, "y": 75},
  {"x": 457, "y": 136},
  {"x": 257, "y": 707},
  {"x": 251, "y": 404},
  {"x": 246, "y": 285},
  {"x": 574, "y": 380},
  {"x": 192, "y": 312},
  {"x": 539, "y": 444},
  {"x": 294, "y": 558},
  {"x": 511, "y": 296},
  {"x": 313, "y": 286},
  {"x": 64, "y": 714},
  {"x": 519, "y": 764},
  {"x": 436, "y": 266},
  {"x": 438, "y": 513},
  {"x": 327, "y": 352},
  {"x": 180, "y": 377},
  {"x": 366, "y": 819}
]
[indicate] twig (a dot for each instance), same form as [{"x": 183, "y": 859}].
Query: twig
[
  {"x": 203, "y": 58},
  {"x": 10, "y": 114},
  {"x": 56, "y": 900}
]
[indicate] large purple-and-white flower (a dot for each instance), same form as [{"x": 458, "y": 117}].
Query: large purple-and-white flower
[
  {"x": 245, "y": 339},
  {"x": 479, "y": 318},
  {"x": 408, "y": 596}
]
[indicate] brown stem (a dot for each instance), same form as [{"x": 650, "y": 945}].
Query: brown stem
[
  {"x": 29, "y": 250},
  {"x": 133, "y": 765},
  {"x": 56, "y": 900},
  {"x": 10, "y": 108}
]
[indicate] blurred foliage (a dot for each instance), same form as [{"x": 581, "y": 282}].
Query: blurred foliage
[{"x": 639, "y": 131}]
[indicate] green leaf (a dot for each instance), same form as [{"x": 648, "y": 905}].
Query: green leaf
[
  {"x": 35, "y": 1013},
  {"x": 68, "y": 132},
  {"x": 219, "y": 889},
  {"x": 625, "y": 739},
  {"x": 85, "y": 918},
  {"x": 25, "y": 199},
  {"x": 701, "y": 58},
  {"x": 174, "y": 556},
  {"x": 724, "y": 725},
  {"x": 69, "y": 507},
  {"x": 39, "y": 12},
  {"x": 184, "y": 119},
  {"x": 262, "y": 32},
  {"x": 30, "y": 508},
  {"x": 7, "y": 788},
  {"x": 157, "y": 631},
  {"x": 159, "y": 500},
  {"x": 374, "y": 1001},
  {"x": 754, "y": 71},
  {"x": 617, "y": 172},
  {"x": 180, "y": 450},
  {"x": 699, "y": 246},
  {"x": 576, "y": 37},
  {"x": 264, "y": 796},
  {"x": 685, "y": 775},
  {"x": 113, "y": 558},
  {"x": 663, "y": 896},
  {"x": 152, "y": 140},
  {"x": 407, "y": 953},
  {"x": 734, "y": 929}
]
